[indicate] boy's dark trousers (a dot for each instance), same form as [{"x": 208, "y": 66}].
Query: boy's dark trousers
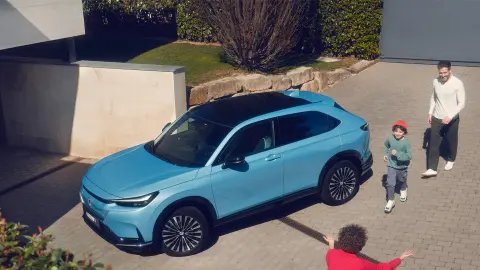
[{"x": 437, "y": 131}]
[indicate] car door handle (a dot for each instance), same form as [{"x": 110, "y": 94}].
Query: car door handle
[{"x": 272, "y": 157}]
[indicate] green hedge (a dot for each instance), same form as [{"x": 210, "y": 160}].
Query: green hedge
[
  {"x": 149, "y": 13},
  {"x": 344, "y": 27},
  {"x": 190, "y": 26},
  {"x": 351, "y": 27}
]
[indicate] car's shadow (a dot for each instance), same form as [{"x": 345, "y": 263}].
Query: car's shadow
[{"x": 280, "y": 213}]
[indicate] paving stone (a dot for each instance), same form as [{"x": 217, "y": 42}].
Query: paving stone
[{"x": 440, "y": 220}]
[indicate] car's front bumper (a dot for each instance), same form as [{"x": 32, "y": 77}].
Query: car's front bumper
[
  {"x": 117, "y": 227},
  {"x": 95, "y": 222},
  {"x": 367, "y": 164}
]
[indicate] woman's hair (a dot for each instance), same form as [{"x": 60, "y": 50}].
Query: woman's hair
[
  {"x": 352, "y": 238},
  {"x": 400, "y": 127}
]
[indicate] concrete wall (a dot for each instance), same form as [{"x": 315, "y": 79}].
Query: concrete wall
[
  {"x": 24, "y": 22},
  {"x": 88, "y": 109}
]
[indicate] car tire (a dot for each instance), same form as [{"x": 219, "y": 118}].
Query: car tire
[
  {"x": 185, "y": 232},
  {"x": 340, "y": 184}
]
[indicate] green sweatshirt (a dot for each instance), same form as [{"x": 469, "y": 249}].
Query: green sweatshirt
[{"x": 404, "y": 153}]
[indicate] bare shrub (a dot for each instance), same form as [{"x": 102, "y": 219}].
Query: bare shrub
[{"x": 255, "y": 34}]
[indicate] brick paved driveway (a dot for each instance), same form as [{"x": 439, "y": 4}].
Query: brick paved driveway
[{"x": 440, "y": 221}]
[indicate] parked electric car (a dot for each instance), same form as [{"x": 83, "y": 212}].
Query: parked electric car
[{"x": 223, "y": 160}]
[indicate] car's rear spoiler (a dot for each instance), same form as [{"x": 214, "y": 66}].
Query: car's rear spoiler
[{"x": 309, "y": 96}]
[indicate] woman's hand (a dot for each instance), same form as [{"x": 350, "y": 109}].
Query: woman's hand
[
  {"x": 330, "y": 240},
  {"x": 407, "y": 254}
]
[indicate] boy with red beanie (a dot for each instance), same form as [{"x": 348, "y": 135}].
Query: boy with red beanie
[{"x": 397, "y": 155}]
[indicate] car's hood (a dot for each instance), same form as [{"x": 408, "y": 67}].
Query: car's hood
[{"x": 135, "y": 172}]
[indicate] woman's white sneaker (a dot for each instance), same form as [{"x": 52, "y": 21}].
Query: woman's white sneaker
[
  {"x": 429, "y": 173},
  {"x": 390, "y": 205},
  {"x": 449, "y": 165},
  {"x": 403, "y": 195}
]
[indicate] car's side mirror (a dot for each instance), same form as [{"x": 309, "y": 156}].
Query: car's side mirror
[
  {"x": 165, "y": 127},
  {"x": 233, "y": 162}
]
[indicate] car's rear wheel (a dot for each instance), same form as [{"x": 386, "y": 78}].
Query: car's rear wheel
[
  {"x": 341, "y": 183},
  {"x": 185, "y": 232}
]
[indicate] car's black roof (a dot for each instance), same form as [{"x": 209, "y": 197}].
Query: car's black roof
[{"x": 234, "y": 110}]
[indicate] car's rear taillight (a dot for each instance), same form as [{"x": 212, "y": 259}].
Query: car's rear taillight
[{"x": 364, "y": 127}]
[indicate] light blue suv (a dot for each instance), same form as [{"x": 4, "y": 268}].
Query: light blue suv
[{"x": 223, "y": 160}]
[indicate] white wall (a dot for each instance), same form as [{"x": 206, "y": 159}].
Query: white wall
[
  {"x": 88, "y": 109},
  {"x": 24, "y": 22}
]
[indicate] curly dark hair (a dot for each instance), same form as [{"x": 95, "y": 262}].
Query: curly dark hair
[
  {"x": 401, "y": 128},
  {"x": 352, "y": 238}
]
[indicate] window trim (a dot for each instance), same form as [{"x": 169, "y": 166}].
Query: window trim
[
  {"x": 217, "y": 162},
  {"x": 174, "y": 126},
  {"x": 329, "y": 123}
]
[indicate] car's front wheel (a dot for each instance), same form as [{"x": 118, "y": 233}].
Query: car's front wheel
[
  {"x": 340, "y": 184},
  {"x": 185, "y": 232}
]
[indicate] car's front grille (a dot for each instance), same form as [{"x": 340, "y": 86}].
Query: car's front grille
[{"x": 97, "y": 197}]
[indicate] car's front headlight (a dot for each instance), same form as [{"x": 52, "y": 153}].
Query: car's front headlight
[{"x": 137, "y": 201}]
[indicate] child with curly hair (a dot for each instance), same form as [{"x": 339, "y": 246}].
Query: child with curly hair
[
  {"x": 351, "y": 240},
  {"x": 397, "y": 155}
]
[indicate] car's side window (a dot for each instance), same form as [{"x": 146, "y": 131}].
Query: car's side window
[
  {"x": 248, "y": 141},
  {"x": 299, "y": 126}
]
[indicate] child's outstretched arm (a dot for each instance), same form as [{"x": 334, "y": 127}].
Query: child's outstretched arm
[{"x": 405, "y": 156}]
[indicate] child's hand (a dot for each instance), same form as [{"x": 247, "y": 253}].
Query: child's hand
[
  {"x": 330, "y": 240},
  {"x": 385, "y": 158},
  {"x": 394, "y": 152},
  {"x": 407, "y": 254}
]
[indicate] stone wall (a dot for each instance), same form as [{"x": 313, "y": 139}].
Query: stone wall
[{"x": 303, "y": 78}]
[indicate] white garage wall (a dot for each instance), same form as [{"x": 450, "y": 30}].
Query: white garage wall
[
  {"x": 88, "y": 109},
  {"x": 24, "y": 22}
]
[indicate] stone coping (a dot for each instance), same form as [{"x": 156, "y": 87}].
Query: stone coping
[
  {"x": 303, "y": 78},
  {"x": 96, "y": 64}
]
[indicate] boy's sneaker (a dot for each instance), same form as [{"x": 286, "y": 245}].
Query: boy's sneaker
[
  {"x": 390, "y": 205},
  {"x": 429, "y": 173},
  {"x": 403, "y": 195},
  {"x": 449, "y": 165}
]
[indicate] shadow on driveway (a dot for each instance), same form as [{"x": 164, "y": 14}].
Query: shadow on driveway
[
  {"x": 281, "y": 214},
  {"x": 44, "y": 200}
]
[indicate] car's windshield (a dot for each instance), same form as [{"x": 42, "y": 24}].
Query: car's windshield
[{"x": 190, "y": 141}]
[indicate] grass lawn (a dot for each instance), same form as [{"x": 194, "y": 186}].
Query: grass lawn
[{"x": 203, "y": 63}]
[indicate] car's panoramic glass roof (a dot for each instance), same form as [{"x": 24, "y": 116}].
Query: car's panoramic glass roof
[{"x": 232, "y": 111}]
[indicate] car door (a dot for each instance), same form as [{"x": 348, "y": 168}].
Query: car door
[
  {"x": 255, "y": 181},
  {"x": 308, "y": 140}
]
